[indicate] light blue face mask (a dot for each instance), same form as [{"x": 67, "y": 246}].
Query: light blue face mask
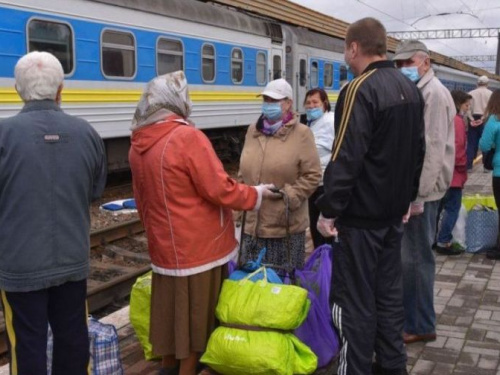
[
  {"x": 272, "y": 111},
  {"x": 411, "y": 72},
  {"x": 314, "y": 113}
]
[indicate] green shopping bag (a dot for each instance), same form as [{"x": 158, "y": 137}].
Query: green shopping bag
[
  {"x": 262, "y": 304},
  {"x": 140, "y": 307},
  {"x": 232, "y": 351}
]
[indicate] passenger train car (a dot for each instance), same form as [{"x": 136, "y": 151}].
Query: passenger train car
[{"x": 110, "y": 48}]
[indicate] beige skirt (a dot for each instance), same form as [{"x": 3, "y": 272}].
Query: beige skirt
[{"x": 183, "y": 312}]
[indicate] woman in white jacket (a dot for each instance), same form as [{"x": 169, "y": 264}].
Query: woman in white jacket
[{"x": 321, "y": 121}]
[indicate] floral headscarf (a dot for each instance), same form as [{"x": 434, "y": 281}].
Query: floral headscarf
[{"x": 163, "y": 96}]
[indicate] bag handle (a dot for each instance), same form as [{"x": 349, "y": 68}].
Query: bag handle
[{"x": 259, "y": 270}]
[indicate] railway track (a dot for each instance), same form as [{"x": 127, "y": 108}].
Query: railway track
[{"x": 116, "y": 262}]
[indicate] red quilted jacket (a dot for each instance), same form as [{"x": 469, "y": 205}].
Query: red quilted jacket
[{"x": 184, "y": 198}]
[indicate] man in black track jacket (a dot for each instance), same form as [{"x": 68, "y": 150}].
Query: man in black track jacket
[{"x": 369, "y": 184}]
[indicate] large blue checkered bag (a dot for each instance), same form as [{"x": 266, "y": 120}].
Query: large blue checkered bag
[
  {"x": 104, "y": 349},
  {"x": 481, "y": 230}
]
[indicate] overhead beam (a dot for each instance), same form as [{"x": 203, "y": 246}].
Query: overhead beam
[
  {"x": 479, "y": 58},
  {"x": 446, "y": 33}
]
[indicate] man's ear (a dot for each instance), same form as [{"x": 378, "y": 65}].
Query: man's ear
[
  {"x": 354, "y": 49},
  {"x": 427, "y": 62},
  {"x": 59, "y": 95}
]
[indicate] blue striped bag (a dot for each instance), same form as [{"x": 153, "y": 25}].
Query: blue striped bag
[{"x": 104, "y": 349}]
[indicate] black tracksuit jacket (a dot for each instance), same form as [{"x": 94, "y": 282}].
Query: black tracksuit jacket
[{"x": 378, "y": 150}]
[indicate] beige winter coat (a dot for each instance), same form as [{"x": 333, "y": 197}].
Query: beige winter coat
[
  {"x": 439, "y": 162},
  {"x": 289, "y": 160}
]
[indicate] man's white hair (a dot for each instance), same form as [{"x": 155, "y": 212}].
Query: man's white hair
[{"x": 38, "y": 76}]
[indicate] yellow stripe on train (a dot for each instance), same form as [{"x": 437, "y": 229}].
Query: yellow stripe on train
[
  {"x": 10, "y": 96},
  {"x": 333, "y": 98}
]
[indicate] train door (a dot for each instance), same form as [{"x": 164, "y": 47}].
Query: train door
[
  {"x": 276, "y": 64},
  {"x": 302, "y": 79}
]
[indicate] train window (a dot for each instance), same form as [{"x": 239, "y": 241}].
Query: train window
[
  {"x": 343, "y": 73},
  {"x": 118, "y": 54},
  {"x": 261, "y": 68},
  {"x": 314, "y": 74},
  {"x": 276, "y": 66},
  {"x": 237, "y": 65},
  {"x": 302, "y": 72},
  {"x": 208, "y": 62},
  {"x": 170, "y": 56},
  {"x": 53, "y": 37},
  {"x": 328, "y": 75}
]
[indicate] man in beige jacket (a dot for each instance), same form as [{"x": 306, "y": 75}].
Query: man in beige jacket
[
  {"x": 412, "y": 57},
  {"x": 480, "y": 98}
]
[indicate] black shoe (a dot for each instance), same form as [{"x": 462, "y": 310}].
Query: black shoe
[
  {"x": 169, "y": 371},
  {"x": 450, "y": 250},
  {"x": 493, "y": 254},
  {"x": 379, "y": 370}
]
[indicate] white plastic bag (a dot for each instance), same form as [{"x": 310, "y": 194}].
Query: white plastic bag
[{"x": 458, "y": 232}]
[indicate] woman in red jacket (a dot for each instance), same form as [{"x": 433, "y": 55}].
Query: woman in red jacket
[
  {"x": 184, "y": 198},
  {"x": 452, "y": 201}
]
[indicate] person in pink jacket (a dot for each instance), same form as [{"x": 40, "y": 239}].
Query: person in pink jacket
[
  {"x": 184, "y": 198},
  {"x": 452, "y": 200}
]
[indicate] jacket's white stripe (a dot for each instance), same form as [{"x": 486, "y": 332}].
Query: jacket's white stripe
[{"x": 337, "y": 321}]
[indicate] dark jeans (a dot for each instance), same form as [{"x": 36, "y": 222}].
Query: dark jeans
[
  {"x": 419, "y": 266},
  {"x": 314, "y": 212},
  {"x": 27, "y": 315},
  {"x": 473, "y": 136},
  {"x": 367, "y": 299},
  {"x": 452, "y": 202}
]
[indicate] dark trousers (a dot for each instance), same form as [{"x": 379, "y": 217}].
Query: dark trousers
[
  {"x": 451, "y": 203},
  {"x": 27, "y": 315},
  {"x": 367, "y": 296},
  {"x": 314, "y": 212},
  {"x": 473, "y": 136}
]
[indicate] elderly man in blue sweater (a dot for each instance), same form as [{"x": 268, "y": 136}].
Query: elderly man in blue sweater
[{"x": 52, "y": 165}]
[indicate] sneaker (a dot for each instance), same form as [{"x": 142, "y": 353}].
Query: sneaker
[
  {"x": 450, "y": 249},
  {"x": 379, "y": 370},
  {"x": 493, "y": 254}
]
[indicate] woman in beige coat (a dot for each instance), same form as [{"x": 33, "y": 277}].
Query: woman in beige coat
[{"x": 279, "y": 150}]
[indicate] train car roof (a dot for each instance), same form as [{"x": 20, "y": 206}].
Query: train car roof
[
  {"x": 313, "y": 39},
  {"x": 200, "y": 12}
]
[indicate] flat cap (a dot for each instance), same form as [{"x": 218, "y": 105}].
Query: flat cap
[{"x": 407, "y": 48}]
